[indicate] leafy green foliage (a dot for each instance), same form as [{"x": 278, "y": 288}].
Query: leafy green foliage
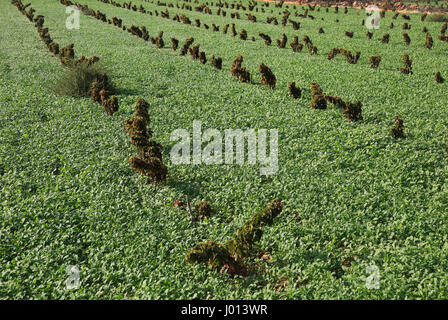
[{"x": 68, "y": 196}]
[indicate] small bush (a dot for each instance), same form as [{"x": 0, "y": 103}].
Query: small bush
[
  {"x": 229, "y": 258},
  {"x": 149, "y": 162},
  {"x": 318, "y": 100},
  {"x": 174, "y": 43},
  {"x": 294, "y": 91},
  {"x": 159, "y": 41},
  {"x": 186, "y": 46},
  {"x": 194, "y": 52},
  {"x": 110, "y": 105},
  {"x": 267, "y": 76},
  {"x": 374, "y": 61},
  {"x": 216, "y": 62},
  {"x": 202, "y": 57},
  {"x": 238, "y": 71},
  {"x": 407, "y": 65},
  {"x": 406, "y": 26},
  {"x": 295, "y": 45},
  {"x": 337, "y": 101},
  {"x": 77, "y": 81},
  {"x": 385, "y": 38},
  {"x": 406, "y": 39},
  {"x": 243, "y": 34},
  {"x": 439, "y": 78},
  {"x": 204, "y": 209},
  {"x": 266, "y": 38},
  {"x": 444, "y": 27},
  {"x": 352, "y": 111},
  {"x": 281, "y": 43},
  {"x": 429, "y": 42},
  {"x": 397, "y": 131}
]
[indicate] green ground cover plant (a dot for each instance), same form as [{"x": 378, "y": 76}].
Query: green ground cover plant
[{"x": 352, "y": 195}]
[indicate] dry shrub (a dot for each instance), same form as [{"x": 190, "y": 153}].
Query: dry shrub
[
  {"x": 407, "y": 65},
  {"x": 352, "y": 111},
  {"x": 145, "y": 34},
  {"x": 67, "y": 54},
  {"x": 369, "y": 35},
  {"x": 321, "y": 30},
  {"x": 352, "y": 59},
  {"x": 309, "y": 45},
  {"x": 54, "y": 48},
  {"x": 444, "y": 27},
  {"x": 186, "y": 46},
  {"x": 295, "y": 24},
  {"x": 397, "y": 131},
  {"x": 174, "y": 43},
  {"x": 224, "y": 30},
  {"x": 335, "y": 100},
  {"x": 349, "y": 34},
  {"x": 374, "y": 61},
  {"x": 243, "y": 34},
  {"x": 385, "y": 38},
  {"x": 317, "y": 97},
  {"x": 294, "y": 92},
  {"x": 216, "y": 62},
  {"x": 333, "y": 53},
  {"x": 194, "y": 52},
  {"x": 406, "y": 26},
  {"x": 204, "y": 210},
  {"x": 295, "y": 45},
  {"x": 429, "y": 42},
  {"x": 266, "y": 38},
  {"x": 152, "y": 168},
  {"x": 238, "y": 71},
  {"x": 159, "y": 41},
  {"x": 281, "y": 43},
  {"x": 406, "y": 39},
  {"x": 95, "y": 92},
  {"x": 232, "y": 29},
  {"x": 202, "y": 57},
  {"x": 439, "y": 78},
  {"x": 246, "y": 236},
  {"x": 267, "y": 76},
  {"x": 110, "y": 104},
  {"x": 135, "y": 31},
  {"x": 230, "y": 258},
  {"x": 149, "y": 163}
]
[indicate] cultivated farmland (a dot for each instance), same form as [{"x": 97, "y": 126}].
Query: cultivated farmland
[{"x": 87, "y": 177}]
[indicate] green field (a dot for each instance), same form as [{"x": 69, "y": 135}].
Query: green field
[{"x": 353, "y": 195}]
